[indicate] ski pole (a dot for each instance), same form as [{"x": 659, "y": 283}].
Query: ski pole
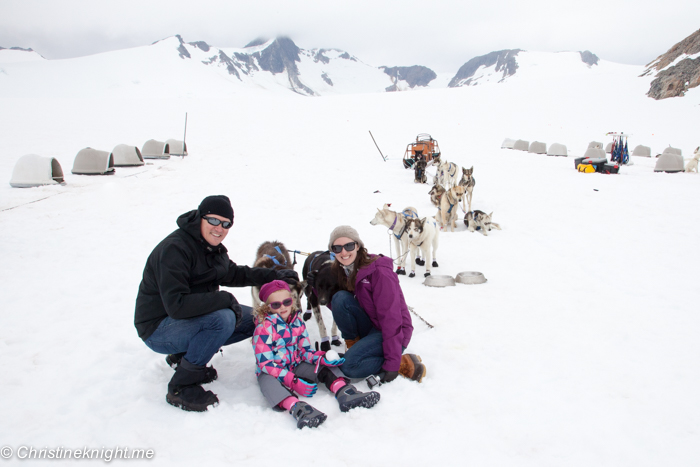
[{"x": 375, "y": 143}]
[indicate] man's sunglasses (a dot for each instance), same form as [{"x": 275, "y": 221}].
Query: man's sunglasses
[
  {"x": 348, "y": 247},
  {"x": 278, "y": 305},
  {"x": 214, "y": 221}
]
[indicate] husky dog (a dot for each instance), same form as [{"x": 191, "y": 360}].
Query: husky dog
[
  {"x": 397, "y": 225},
  {"x": 468, "y": 182},
  {"x": 423, "y": 234},
  {"x": 324, "y": 286},
  {"x": 419, "y": 170},
  {"x": 435, "y": 194},
  {"x": 692, "y": 165},
  {"x": 447, "y": 210},
  {"x": 274, "y": 255},
  {"x": 479, "y": 220},
  {"x": 448, "y": 175},
  {"x": 435, "y": 161}
]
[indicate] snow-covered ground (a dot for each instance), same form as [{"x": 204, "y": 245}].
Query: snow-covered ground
[{"x": 582, "y": 348}]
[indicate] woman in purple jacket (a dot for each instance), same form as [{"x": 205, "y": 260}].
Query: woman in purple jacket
[{"x": 371, "y": 312}]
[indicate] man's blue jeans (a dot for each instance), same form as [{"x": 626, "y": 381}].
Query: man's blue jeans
[
  {"x": 367, "y": 355},
  {"x": 201, "y": 337}
]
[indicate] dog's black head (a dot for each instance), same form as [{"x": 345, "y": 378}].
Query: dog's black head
[{"x": 325, "y": 285}]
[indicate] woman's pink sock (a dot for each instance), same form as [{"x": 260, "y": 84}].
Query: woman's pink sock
[
  {"x": 288, "y": 403},
  {"x": 337, "y": 384}
]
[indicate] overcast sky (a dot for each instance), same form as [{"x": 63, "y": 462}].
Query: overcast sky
[{"x": 440, "y": 34}]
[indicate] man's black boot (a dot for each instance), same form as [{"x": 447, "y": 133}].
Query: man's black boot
[{"x": 185, "y": 390}]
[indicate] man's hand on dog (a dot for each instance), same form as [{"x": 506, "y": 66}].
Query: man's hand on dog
[
  {"x": 311, "y": 278},
  {"x": 290, "y": 276}
]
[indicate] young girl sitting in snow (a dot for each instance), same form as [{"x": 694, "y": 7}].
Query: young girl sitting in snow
[{"x": 287, "y": 365}]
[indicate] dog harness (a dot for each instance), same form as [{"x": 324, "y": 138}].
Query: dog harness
[
  {"x": 449, "y": 211},
  {"x": 311, "y": 263},
  {"x": 473, "y": 217},
  {"x": 274, "y": 260}
]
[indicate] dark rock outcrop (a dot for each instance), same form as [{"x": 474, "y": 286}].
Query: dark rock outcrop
[
  {"x": 589, "y": 58},
  {"x": 279, "y": 56},
  {"x": 675, "y": 80},
  {"x": 225, "y": 60},
  {"x": 327, "y": 79},
  {"x": 184, "y": 53},
  {"x": 200, "y": 45},
  {"x": 503, "y": 59},
  {"x": 319, "y": 57},
  {"x": 17, "y": 48},
  {"x": 415, "y": 75}
]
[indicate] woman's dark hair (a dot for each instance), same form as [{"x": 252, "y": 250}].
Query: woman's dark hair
[{"x": 361, "y": 260}]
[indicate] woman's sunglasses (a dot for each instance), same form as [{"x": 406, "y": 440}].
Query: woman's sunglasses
[
  {"x": 348, "y": 247},
  {"x": 214, "y": 221},
  {"x": 278, "y": 305}
]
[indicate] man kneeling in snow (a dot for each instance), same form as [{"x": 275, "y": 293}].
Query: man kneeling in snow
[{"x": 180, "y": 310}]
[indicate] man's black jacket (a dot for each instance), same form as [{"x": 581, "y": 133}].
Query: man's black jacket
[{"x": 183, "y": 274}]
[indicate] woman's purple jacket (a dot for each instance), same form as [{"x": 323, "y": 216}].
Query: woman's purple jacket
[{"x": 378, "y": 291}]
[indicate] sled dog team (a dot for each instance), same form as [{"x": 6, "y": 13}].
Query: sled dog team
[
  {"x": 420, "y": 237},
  {"x": 181, "y": 312}
]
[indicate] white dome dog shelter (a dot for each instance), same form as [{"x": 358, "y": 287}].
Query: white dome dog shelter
[
  {"x": 90, "y": 161},
  {"x": 127, "y": 156},
  {"x": 153, "y": 149},
  {"x": 176, "y": 148},
  {"x": 33, "y": 170},
  {"x": 557, "y": 149}
]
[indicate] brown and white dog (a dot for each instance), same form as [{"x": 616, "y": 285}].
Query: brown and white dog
[
  {"x": 423, "y": 234},
  {"x": 396, "y": 222},
  {"x": 435, "y": 194},
  {"x": 468, "y": 182},
  {"x": 449, "y": 204},
  {"x": 274, "y": 255},
  {"x": 479, "y": 220}
]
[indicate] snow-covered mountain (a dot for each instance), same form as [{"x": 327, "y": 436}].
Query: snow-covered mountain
[
  {"x": 197, "y": 69},
  {"x": 204, "y": 70},
  {"x": 499, "y": 66},
  {"x": 676, "y": 71}
]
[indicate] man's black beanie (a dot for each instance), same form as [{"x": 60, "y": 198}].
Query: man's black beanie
[{"x": 217, "y": 204}]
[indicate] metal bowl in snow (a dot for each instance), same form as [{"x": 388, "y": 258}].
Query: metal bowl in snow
[
  {"x": 439, "y": 281},
  {"x": 470, "y": 277}
]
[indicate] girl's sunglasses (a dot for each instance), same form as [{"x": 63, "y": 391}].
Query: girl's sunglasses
[
  {"x": 348, "y": 247},
  {"x": 278, "y": 305},
  {"x": 214, "y": 221}
]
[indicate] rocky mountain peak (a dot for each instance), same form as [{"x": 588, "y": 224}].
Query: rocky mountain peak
[
  {"x": 589, "y": 58},
  {"x": 17, "y": 48},
  {"x": 415, "y": 75},
  {"x": 676, "y": 71},
  {"x": 504, "y": 60}
]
